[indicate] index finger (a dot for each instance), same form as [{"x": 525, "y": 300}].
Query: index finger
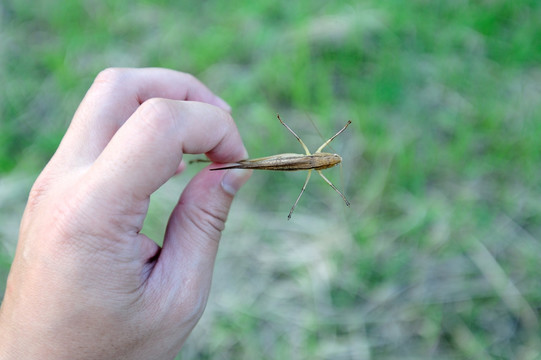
[
  {"x": 114, "y": 96},
  {"x": 147, "y": 150}
]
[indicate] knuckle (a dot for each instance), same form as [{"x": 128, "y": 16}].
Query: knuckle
[
  {"x": 110, "y": 75},
  {"x": 41, "y": 188},
  {"x": 158, "y": 114},
  {"x": 195, "y": 89},
  {"x": 209, "y": 221},
  {"x": 189, "y": 78},
  {"x": 37, "y": 193},
  {"x": 111, "y": 80}
]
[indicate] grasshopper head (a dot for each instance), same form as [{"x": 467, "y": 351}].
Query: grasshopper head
[{"x": 326, "y": 160}]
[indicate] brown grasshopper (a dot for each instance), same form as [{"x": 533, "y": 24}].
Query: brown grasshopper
[{"x": 292, "y": 162}]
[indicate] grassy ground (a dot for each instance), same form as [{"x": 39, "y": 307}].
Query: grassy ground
[{"x": 438, "y": 256}]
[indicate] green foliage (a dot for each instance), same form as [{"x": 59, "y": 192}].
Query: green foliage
[{"x": 441, "y": 162}]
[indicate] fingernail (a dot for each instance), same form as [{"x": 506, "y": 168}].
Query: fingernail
[
  {"x": 234, "y": 179},
  {"x": 221, "y": 103}
]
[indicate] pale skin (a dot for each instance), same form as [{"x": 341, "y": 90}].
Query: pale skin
[{"x": 85, "y": 283}]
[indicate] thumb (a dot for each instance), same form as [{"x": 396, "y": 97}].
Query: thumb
[{"x": 195, "y": 227}]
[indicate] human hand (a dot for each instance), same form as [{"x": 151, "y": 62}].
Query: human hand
[{"x": 85, "y": 283}]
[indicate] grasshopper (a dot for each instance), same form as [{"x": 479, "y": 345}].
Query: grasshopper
[{"x": 292, "y": 162}]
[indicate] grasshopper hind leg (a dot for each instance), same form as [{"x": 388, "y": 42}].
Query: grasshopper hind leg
[
  {"x": 334, "y": 187},
  {"x": 302, "y": 191}
]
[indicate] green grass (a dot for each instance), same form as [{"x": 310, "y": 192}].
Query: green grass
[{"x": 438, "y": 255}]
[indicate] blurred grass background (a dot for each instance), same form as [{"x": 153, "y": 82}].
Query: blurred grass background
[{"x": 438, "y": 256}]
